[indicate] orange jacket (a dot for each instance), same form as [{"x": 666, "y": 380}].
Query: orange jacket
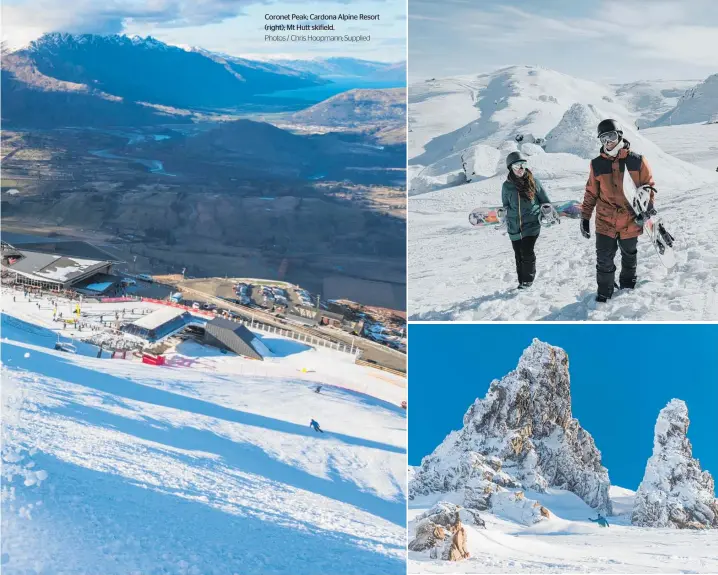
[{"x": 604, "y": 191}]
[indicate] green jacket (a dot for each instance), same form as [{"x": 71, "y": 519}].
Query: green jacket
[{"x": 522, "y": 216}]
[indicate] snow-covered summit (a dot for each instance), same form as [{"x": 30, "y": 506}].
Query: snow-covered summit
[
  {"x": 699, "y": 104},
  {"x": 675, "y": 493},
  {"x": 521, "y": 435},
  {"x": 64, "y": 39}
]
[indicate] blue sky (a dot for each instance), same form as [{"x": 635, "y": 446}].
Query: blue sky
[
  {"x": 602, "y": 40},
  {"x": 234, "y": 27},
  {"x": 621, "y": 377}
]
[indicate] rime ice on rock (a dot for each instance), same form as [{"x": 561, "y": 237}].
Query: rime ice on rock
[
  {"x": 675, "y": 493},
  {"x": 520, "y": 436},
  {"x": 576, "y": 132}
]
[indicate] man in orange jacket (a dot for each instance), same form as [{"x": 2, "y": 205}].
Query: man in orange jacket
[{"x": 616, "y": 226}]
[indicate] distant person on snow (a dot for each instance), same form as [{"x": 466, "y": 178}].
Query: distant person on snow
[
  {"x": 601, "y": 520},
  {"x": 522, "y": 195},
  {"x": 318, "y": 389},
  {"x": 315, "y": 425},
  {"x": 615, "y": 221}
]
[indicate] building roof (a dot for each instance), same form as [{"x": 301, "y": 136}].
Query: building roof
[
  {"x": 160, "y": 317},
  {"x": 55, "y": 268},
  {"x": 237, "y": 338},
  {"x": 58, "y": 245}
]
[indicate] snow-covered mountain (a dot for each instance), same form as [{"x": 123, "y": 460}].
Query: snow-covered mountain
[
  {"x": 204, "y": 466},
  {"x": 146, "y": 70},
  {"x": 675, "y": 492},
  {"x": 699, "y": 104},
  {"x": 521, "y": 436},
  {"x": 460, "y": 131},
  {"x": 652, "y": 98}
]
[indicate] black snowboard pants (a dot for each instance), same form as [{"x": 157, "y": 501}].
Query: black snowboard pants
[
  {"x": 525, "y": 258},
  {"x": 606, "y": 248}
]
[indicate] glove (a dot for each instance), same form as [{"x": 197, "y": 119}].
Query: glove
[{"x": 585, "y": 228}]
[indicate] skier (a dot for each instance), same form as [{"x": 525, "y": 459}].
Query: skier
[
  {"x": 315, "y": 425},
  {"x": 522, "y": 195},
  {"x": 615, "y": 223},
  {"x": 601, "y": 520}
]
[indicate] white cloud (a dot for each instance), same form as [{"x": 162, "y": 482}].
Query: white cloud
[{"x": 616, "y": 38}]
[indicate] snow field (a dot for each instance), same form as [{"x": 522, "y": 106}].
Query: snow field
[
  {"x": 569, "y": 543},
  {"x": 113, "y": 466}
]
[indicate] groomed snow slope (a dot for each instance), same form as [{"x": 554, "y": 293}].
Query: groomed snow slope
[
  {"x": 569, "y": 543},
  {"x": 461, "y": 273},
  {"x": 115, "y": 467}
]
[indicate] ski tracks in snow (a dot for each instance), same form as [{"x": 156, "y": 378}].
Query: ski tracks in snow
[{"x": 470, "y": 274}]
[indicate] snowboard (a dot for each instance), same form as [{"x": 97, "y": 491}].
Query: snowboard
[
  {"x": 661, "y": 239},
  {"x": 488, "y": 217},
  {"x": 550, "y": 214}
]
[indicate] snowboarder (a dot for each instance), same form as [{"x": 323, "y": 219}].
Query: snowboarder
[
  {"x": 315, "y": 425},
  {"x": 601, "y": 520},
  {"x": 522, "y": 195},
  {"x": 615, "y": 221},
  {"x": 318, "y": 389}
]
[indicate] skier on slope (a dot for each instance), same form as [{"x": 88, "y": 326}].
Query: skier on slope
[
  {"x": 315, "y": 425},
  {"x": 522, "y": 195},
  {"x": 615, "y": 223},
  {"x": 601, "y": 520}
]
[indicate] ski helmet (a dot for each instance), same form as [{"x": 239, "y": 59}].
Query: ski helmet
[
  {"x": 514, "y": 157},
  {"x": 609, "y": 125}
]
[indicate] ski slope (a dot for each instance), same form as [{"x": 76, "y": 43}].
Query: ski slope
[
  {"x": 116, "y": 467},
  {"x": 569, "y": 543},
  {"x": 457, "y": 272}
]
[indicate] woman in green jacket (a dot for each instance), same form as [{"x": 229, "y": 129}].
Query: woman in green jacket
[{"x": 522, "y": 195}]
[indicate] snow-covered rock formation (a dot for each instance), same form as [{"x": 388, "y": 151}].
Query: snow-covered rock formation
[
  {"x": 480, "y": 161},
  {"x": 439, "y": 531},
  {"x": 576, "y": 132},
  {"x": 675, "y": 493},
  {"x": 520, "y": 436}
]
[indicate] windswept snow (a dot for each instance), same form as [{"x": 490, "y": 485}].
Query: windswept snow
[
  {"x": 568, "y": 542},
  {"x": 116, "y": 467},
  {"x": 698, "y": 104},
  {"x": 457, "y": 272}
]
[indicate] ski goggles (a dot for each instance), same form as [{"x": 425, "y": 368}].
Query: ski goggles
[
  {"x": 516, "y": 166},
  {"x": 608, "y": 137}
]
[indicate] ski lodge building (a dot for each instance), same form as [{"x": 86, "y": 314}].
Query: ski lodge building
[
  {"x": 56, "y": 272},
  {"x": 162, "y": 323}
]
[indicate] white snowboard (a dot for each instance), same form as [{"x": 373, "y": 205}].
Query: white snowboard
[{"x": 653, "y": 225}]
